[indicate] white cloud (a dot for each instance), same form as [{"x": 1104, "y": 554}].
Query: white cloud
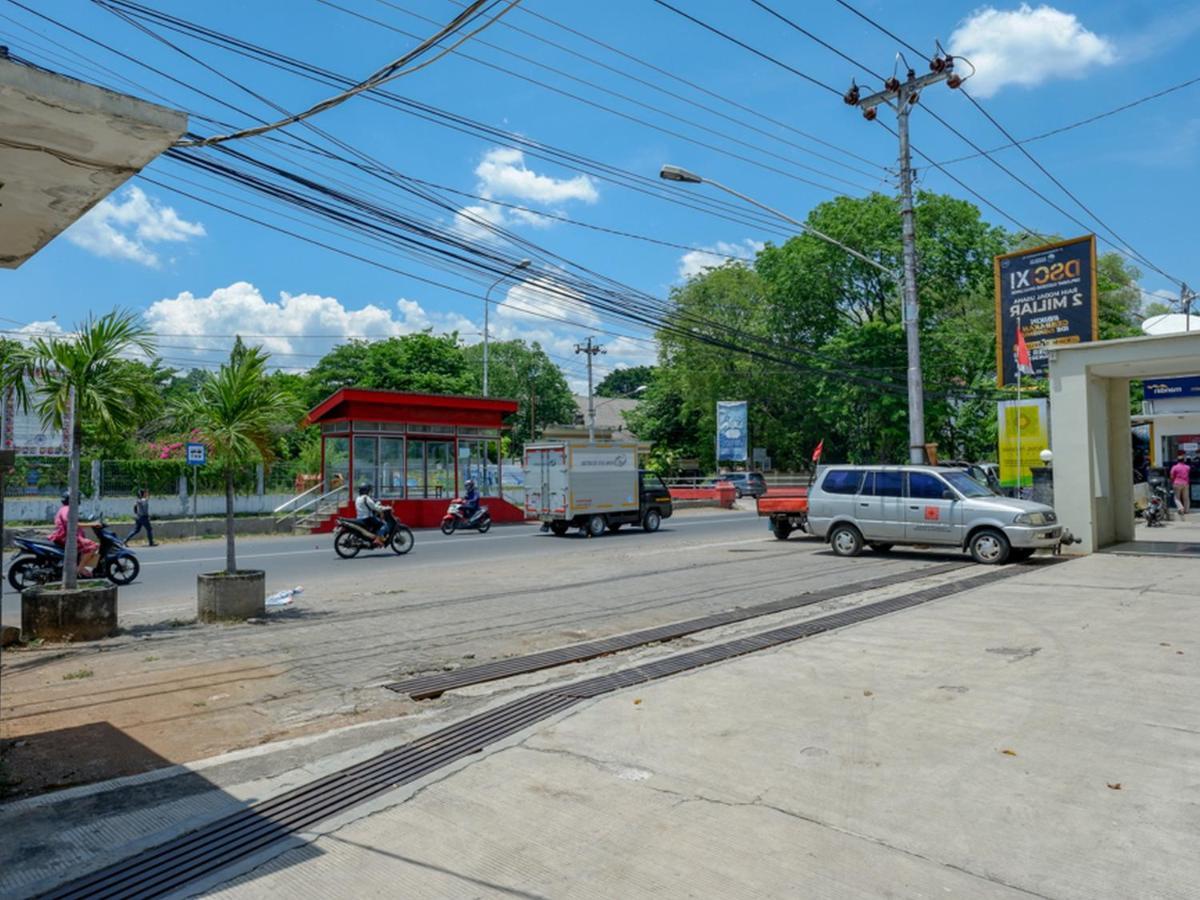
[
  {"x": 503, "y": 173},
  {"x": 124, "y": 228},
  {"x": 696, "y": 261},
  {"x": 1026, "y": 47},
  {"x": 543, "y": 298}
]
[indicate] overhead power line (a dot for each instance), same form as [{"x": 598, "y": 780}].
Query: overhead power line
[{"x": 394, "y": 69}]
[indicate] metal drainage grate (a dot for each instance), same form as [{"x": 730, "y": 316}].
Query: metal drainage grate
[
  {"x": 427, "y": 687},
  {"x": 209, "y": 849}
]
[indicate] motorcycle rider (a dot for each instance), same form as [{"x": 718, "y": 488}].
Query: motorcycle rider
[
  {"x": 470, "y": 504},
  {"x": 370, "y": 513},
  {"x": 87, "y": 550}
]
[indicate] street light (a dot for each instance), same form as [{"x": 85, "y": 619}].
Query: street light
[{"x": 487, "y": 304}]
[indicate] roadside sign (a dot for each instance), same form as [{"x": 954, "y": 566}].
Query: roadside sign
[
  {"x": 197, "y": 454},
  {"x": 1049, "y": 293},
  {"x": 24, "y": 432}
]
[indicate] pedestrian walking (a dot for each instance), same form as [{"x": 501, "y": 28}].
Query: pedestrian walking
[
  {"x": 141, "y": 518},
  {"x": 1181, "y": 476}
]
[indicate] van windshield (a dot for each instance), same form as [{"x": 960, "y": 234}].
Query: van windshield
[{"x": 968, "y": 486}]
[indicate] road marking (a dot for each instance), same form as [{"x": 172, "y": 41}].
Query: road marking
[{"x": 498, "y": 537}]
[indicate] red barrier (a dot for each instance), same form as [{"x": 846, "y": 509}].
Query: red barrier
[{"x": 724, "y": 493}]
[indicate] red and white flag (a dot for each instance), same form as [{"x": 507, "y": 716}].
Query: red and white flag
[
  {"x": 1024, "y": 364},
  {"x": 816, "y": 457}
]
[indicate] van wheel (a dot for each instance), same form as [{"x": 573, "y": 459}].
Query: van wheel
[
  {"x": 881, "y": 547},
  {"x": 651, "y": 520},
  {"x": 595, "y": 526},
  {"x": 782, "y": 529},
  {"x": 989, "y": 547},
  {"x": 558, "y": 527},
  {"x": 845, "y": 540}
]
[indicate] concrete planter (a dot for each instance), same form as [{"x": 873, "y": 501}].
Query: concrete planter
[
  {"x": 87, "y": 613},
  {"x": 224, "y": 598}
]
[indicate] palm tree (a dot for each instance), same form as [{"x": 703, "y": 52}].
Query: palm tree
[
  {"x": 237, "y": 411},
  {"x": 83, "y": 377}
]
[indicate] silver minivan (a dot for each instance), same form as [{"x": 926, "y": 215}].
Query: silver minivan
[{"x": 881, "y": 506}]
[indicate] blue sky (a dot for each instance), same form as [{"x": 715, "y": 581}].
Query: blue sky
[{"x": 200, "y": 274}]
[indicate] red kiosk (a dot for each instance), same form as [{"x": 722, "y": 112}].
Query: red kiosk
[{"x": 417, "y": 449}]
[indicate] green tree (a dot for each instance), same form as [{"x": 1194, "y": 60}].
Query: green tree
[
  {"x": 237, "y": 412},
  {"x": 524, "y": 373},
  {"x": 625, "y": 381},
  {"x": 85, "y": 371},
  {"x": 423, "y": 362}
]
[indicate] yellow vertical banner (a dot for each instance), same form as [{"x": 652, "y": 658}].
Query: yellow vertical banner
[{"x": 1024, "y": 430}]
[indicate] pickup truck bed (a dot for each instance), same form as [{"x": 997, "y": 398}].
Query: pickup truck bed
[{"x": 787, "y": 508}]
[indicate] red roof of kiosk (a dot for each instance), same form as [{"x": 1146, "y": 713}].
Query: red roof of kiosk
[{"x": 363, "y": 405}]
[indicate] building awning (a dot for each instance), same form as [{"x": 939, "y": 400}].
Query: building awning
[
  {"x": 365, "y": 405},
  {"x": 64, "y": 146}
]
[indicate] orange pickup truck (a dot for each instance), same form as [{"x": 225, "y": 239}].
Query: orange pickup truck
[{"x": 787, "y": 507}]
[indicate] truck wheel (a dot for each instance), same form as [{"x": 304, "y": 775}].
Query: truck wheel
[
  {"x": 845, "y": 540},
  {"x": 781, "y": 528},
  {"x": 595, "y": 526},
  {"x": 989, "y": 547},
  {"x": 559, "y": 527},
  {"x": 651, "y": 520}
]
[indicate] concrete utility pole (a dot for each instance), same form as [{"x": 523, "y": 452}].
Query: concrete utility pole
[
  {"x": 901, "y": 95},
  {"x": 591, "y": 349},
  {"x": 1186, "y": 296}
]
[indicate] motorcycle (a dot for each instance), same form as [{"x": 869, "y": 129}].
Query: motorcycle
[
  {"x": 41, "y": 561},
  {"x": 1156, "y": 510},
  {"x": 351, "y": 536},
  {"x": 456, "y": 518}
]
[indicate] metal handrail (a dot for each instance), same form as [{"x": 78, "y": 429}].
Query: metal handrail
[
  {"x": 286, "y": 503},
  {"x": 315, "y": 501}
]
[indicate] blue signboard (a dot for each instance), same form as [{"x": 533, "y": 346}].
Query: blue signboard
[
  {"x": 1049, "y": 293},
  {"x": 733, "y": 438},
  {"x": 197, "y": 454},
  {"x": 1165, "y": 388}
]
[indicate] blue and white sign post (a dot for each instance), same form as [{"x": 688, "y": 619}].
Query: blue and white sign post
[
  {"x": 733, "y": 438},
  {"x": 197, "y": 456}
]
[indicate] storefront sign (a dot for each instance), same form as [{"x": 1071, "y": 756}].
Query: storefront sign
[
  {"x": 733, "y": 437},
  {"x": 1050, "y": 294},
  {"x": 1165, "y": 388},
  {"x": 22, "y": 430},
  {"x": 1024, "y": 428}
]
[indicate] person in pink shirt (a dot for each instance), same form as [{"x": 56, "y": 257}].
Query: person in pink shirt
[
  {"x": 89, "y": 551},
  {"x": 1181, "y": 475}
]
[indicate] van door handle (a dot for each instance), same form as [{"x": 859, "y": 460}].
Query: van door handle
[
  {"x": 914, "y": 507},
  {"x": 864, "y": 504}
]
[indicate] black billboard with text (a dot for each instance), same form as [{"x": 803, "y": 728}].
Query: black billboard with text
[{"x": 1050, "y": 294}]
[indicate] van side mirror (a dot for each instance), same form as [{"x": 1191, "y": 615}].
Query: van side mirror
[{"x": 948, "y": 495}]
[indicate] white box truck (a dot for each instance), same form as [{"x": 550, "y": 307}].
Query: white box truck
[{"x": 592, "y": 487}]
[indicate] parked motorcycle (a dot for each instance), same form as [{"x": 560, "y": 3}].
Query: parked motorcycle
[
  {"x": 456, "y": 518},
  {"x": 352, "y": 537},
  {"x": 41, "y": 561},
  {"x": 1156, "y": 508}
]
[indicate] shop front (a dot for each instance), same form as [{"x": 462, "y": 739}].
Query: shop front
[{"x": 417, "y": 450}]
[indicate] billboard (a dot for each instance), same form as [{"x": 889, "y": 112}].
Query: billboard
[
  {"x": 1024, "y": 428},
  {"x": 1168, "y": 388},
  {"x": 733, "y": 438},
  {"x": 23, "y": 431},
  {"x": 1049, "y": 293}
]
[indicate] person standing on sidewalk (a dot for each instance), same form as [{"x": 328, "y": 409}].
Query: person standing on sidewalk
[
  {"x": 1181, "y": 475},
  {"x": 141, "y": 518}
]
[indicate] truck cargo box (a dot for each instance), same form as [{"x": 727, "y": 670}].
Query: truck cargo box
[{"x": 568, "y": 479}]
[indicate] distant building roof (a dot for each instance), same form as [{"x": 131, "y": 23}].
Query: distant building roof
[{"x": 610, "y": 414}]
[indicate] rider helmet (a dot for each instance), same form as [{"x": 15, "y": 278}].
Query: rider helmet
[
  {"x": 66, "y": 499},
  {"x": 365, "y": 488},
  {"x": 470, "y": 482}
]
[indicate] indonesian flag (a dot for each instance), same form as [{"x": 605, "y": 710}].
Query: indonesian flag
[
  {"x": 1024, "y": 365},
  {"x": 816, "y": 457}
]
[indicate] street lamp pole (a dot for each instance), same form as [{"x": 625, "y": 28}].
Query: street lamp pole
[{"x": 487, "y": 305}]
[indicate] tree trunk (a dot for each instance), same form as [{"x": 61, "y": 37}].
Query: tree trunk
[
  {"x": 71, "y": 548},
  {"x": 230, "y": 558}
]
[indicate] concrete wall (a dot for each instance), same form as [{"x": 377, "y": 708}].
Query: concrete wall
[{"x": 42, "y": 509}]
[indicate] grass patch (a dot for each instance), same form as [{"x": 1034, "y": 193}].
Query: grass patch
[
  {"x": 150, "y": 659},
  {"x": 200, "y": 703},
  {"x": 78, "y": 673}
]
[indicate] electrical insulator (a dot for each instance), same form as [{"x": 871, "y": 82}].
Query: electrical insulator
[
  {"x": 851, "y": 96},
  {"x": 954, "y": 81},
  {"x": 892, "y": 84},
  {"x": 870, "y": 114},
  {"x": 937, "y": 64},
  {"x": 912, "y": 98}
]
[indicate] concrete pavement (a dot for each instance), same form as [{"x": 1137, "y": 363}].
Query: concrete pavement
[{"x": 1036, "y": 737}]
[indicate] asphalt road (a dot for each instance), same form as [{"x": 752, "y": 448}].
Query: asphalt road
[{"x": 167, "y": 584}]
